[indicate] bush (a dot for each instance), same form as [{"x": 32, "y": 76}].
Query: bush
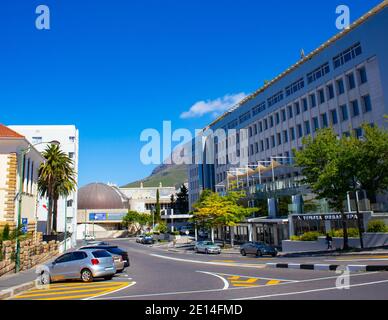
[
  {"x": 376, "y": 226},
  {"x": 5, "y": 234},
  {"x": 310, "y": 236},
  {"x": 161, "y": 227},
  {"x": 175, "y": 233},
  {"x": 352, "y": 233}
]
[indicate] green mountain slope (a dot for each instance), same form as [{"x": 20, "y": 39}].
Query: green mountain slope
[{"x": 168, "y": 175}]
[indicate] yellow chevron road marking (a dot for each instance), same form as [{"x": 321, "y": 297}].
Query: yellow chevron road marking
[
  {"x": 71, "y": 291},
  {"x": 248, "y": 281},
  {"x": 273, "y": 282}
]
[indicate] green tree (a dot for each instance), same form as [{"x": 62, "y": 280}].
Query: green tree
[
  {"x": 371, "y": 160},
  {"x": 157, "y": 206},
  {"x": 213, "y": 210},
  {"x": 136, "y": 220},
  {"x": 56, "y": 179},
  {"x": 325, "y": 165},
  {"x": 182, "y": 201}
]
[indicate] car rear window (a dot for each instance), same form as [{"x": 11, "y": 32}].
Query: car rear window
[
  {"x": 101, "y": 254},
  {"x": 115, "y": 250}
]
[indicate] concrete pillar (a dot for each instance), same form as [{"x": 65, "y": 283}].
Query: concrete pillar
[
  {"x": 250, "y": 232},
  {"x": 212, "y": 234}
]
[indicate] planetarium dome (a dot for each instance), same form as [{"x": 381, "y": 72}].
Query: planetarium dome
[{"x": 99, "y": 196}]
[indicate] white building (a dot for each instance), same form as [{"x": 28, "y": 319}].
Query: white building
[
  {"x": 67, "y": 136},
  {"x": 19, "y": 165}
]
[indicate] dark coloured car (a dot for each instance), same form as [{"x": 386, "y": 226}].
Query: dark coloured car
[
  {"x": 114, "y": 250},
  {"x": 259, "y": 249},
  {"x": 147, "y": 240}
]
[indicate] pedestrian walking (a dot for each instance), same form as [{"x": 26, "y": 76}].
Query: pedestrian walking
[{"x": 329, "y": 241}]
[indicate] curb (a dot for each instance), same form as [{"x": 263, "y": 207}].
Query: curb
[
  {"x": 328, "y": 267},
  {"x": 9, "y": 293}
]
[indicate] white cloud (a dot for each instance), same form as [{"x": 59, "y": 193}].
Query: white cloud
[{"x": 215, "y": 107}]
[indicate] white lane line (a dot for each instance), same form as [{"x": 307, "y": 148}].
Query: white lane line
[
  {"x": 256, "y": 277},
  {"x": 358, "y": 260},
  {"x": 310, "y": 291},
  {"x": 257, "y": 266},
  {"x": 110, "y": 292},
  {"x": 226, "y": 283},
  {"x": 219, "y": 290}
]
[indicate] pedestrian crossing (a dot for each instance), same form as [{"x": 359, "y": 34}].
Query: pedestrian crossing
[{"x": 72, "y": 290}]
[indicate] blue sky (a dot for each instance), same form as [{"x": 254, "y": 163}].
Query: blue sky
[{"x": 114, "y": 68}]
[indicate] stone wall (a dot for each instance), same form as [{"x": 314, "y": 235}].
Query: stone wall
[{"x": 31, "y": 254}]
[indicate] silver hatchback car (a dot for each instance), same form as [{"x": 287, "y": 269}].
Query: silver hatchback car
[{"x": 82, "y": 265}]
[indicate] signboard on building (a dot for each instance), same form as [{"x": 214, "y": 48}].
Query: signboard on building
[
  {"x": 24, "y": 225},
  {"x": 106, "y": 216}
]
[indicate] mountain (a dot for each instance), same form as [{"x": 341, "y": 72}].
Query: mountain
[{"x": 170, "y": 175}]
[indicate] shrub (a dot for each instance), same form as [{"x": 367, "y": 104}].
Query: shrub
[
  {"x": 377, "y": 226},
  {"x": 161, "y": 227},
  {"x": 310, "y": 236},
  {"x": 295, "y": 238},
  {"x": 5, "y": 234},
  {"x": 352, "y": 233}
]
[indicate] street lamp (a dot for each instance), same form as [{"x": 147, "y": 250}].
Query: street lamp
[{"x": 22, "y": 154}]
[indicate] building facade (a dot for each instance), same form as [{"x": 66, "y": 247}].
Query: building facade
[
  {"x": 343, "y": 84},
  {"x": 19, "y": 165},
  {"x": 68, "y": 137}
]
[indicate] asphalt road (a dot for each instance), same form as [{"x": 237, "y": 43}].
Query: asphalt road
[{"x": 158, "y": 274}]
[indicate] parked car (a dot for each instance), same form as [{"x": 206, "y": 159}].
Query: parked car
[
  {"x": 259, "y": 249},
  {"x": 113, "y": 250},
  {"x": 207, "y": 247},
  {"x": 147, "y": 240},
  {"x": 97, "y": 243},
  {"x": 84, "y": 265},
  {"x": 119, "y": 262}
]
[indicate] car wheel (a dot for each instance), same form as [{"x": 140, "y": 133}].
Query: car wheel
[
  {"x": 243, "y": 253},
  {"x": 108, "y": 278},
  {"x": 86, "y": 275},
  {"x": 259, "y": 253},
  {"x": 44, "y": 278}
]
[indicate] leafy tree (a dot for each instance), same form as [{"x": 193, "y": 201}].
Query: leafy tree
[
  {"x": 173, "y": 202},
  {"x": 161, "y": 227},
  {"x": 56, "y": 179},
  {"x": 136, "y": 220},
  {"x": 182, "y": 201},
  {"x": 326, "y": 168},
  {"x": 371, "y": 160},
  {"x": 214, "y": 210},
  {"x": 157, "y": 207}
]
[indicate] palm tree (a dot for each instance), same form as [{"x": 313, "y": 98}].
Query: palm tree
[{"x": 56, "y": 179}]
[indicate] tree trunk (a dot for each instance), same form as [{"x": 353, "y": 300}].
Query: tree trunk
[
  {"x": 359, "y": 222},
  {"x": 49, "y": 216},
  {"x": 55, "y": 215},
  {"x": 345, "y": 229}
]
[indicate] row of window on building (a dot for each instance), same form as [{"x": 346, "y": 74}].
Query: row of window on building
[{"x": 339, "y": 60}]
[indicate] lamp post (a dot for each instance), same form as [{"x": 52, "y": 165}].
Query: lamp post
[{"x": 22, "y": 154}]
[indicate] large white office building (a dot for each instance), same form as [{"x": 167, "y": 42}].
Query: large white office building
[
  {"x": 67, "y": 136},
  {"x": 343, "y": 84}
]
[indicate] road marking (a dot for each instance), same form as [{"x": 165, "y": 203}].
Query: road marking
[
  {"x": 263, "y": 278},
  {"x": 112, "y": 292},
  {"x": 226, "y": 283},
  {"x": 227, "y": 261},
  {"x": 351, "y": 260},
  {"x": 310, "y": 291},
  {"x": 273, "y": 282},
  {"x": 72, "y": 291},
  {"x": 257, "y": 266},
  {"x": 220, "y": 290}
]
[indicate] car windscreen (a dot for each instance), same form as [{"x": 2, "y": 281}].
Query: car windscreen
[
  {"x": 101, "y": 254},
  {"x": 208, "y": 243}
]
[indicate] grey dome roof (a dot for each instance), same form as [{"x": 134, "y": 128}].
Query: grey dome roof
[{"x": 101, "y": 196}]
